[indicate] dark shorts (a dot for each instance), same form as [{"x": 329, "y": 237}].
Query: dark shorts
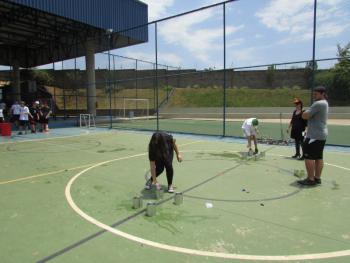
[
  {"x": 14, "y": 118},
  {"x": 314, "y": 150},
  {"x": 44, "y": 120},
  {"x": 23, "y": 123}
]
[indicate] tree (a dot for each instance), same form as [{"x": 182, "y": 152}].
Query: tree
[
  {"x": 340, "y": 88},
  {"x": 43, "y": 77},
  {"x": 337, "y": 79}
]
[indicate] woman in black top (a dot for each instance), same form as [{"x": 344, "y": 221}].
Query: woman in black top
[
  {"x": 160, "y": 153},
  {"x": 297, "y": 126}
]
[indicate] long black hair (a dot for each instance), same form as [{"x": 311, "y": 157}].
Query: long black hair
[{"x": 158, "y": 147}]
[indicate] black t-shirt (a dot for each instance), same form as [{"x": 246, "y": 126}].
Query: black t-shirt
[
  {"x": 45, "y": 111},
  {"x": 34, "y": 111},
  {"x": 161, "y": 152},
  {"x": 298, "y": 125}
]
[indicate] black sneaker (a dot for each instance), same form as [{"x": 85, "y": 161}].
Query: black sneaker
[
  {"x": 307, "y": 182},
  {"x": 256, "y": 151},
  {"x": 301, "y": 158},
  {"x": 318, "y": 180},
  {"x": 296, "y": 156}
]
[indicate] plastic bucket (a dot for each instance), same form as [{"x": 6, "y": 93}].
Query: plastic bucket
[{"x": 5, "y": 129}]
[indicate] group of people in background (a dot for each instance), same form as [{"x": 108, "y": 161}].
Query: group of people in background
[
  {"x": 24, "y": 118},
  {"x": 308, "y": 129}
]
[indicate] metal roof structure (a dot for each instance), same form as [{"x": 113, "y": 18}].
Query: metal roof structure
[{"x": 38, "y": 32}]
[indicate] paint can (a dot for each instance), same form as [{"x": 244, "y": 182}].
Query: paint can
[
  {"x": 159, "y": 193},
  {"x": 178, "y": 198},
  {"x": 137, "y": 202},
  {"x": 151, "y": 209}
]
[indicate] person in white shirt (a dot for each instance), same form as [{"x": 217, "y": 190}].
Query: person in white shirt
[
  {"x": 24, "y": 118},
  {"x": 250, "y": 131},
  {"x": 2, "y": 111},
  {"x": 15, "y": 111},
  {"x": 1, "y": 115}
]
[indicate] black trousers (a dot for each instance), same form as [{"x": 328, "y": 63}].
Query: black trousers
[{"x": 168, "y": 166}]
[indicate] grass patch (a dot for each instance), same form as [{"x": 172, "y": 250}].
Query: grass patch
[{"x": 237, "y": 97}]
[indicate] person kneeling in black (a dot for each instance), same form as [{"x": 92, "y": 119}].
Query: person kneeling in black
[
  {"x": 160, "y": 153},
  {"x": 297, "y": 125}
]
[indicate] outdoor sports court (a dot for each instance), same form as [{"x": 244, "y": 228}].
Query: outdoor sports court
[{"x": 67, "y": 197}]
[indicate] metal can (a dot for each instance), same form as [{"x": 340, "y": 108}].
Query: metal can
[
  {"x": 159, "y": 193},
  {"x": 178, "y": 199},
  {"x": 151, "y": 209},
  {"x": 137, "y": 202}
]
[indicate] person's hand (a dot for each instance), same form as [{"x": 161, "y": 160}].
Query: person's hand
[{"x": 179, "y": 158}]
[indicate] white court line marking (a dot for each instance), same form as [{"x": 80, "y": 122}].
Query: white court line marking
[
  {"x": 330, "y": 164},
  {"x": 51, "y": 138},
  {"x": 340, "y": 253}
]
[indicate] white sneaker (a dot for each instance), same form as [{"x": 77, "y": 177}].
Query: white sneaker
[
  {"x": 170, "y": 189},
  {"x": 148, "y": 185}
]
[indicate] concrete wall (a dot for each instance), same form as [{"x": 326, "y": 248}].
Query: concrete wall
[{"x": 256, "y": 79}]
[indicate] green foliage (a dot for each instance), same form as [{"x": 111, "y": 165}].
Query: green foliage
[
  {"x": 337, "y": 79},
  {"x": 43, "y": 77},
  {"x": 238, "y": 97}
]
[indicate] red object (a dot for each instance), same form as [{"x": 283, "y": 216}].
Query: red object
[{"x": 5, "y": 129}]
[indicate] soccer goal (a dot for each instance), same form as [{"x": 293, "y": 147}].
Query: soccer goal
[
  {"x": 136, "y": 108},
  {"x": 87, "y": 121}
]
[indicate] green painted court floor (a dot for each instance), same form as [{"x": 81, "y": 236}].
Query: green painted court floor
[{"x": 67, "y": 197}]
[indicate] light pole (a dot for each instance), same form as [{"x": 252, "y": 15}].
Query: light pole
[{"x": 109, "y": 33}]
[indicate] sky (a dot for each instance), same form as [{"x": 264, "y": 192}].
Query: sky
[{"x": 257, "y": 32}]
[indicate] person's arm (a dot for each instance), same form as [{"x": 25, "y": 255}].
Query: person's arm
[
  {"x": 29, "y": 114},
  {"x": 307, "y": 115},
  {"x": 176, "y": 149},
  {"x": 48, "y": 114},
  {"x": 152, "y": 165}
]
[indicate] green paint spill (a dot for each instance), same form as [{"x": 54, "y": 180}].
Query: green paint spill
[
  {"x": 226, "y": 155},
  {"x": 98, "y": 187},
  {"x": 166, "y": 219},
  {"x": 126, "y": 205},
  {"x": 114, "y": 150},
  {"x": 118, "y": 149}
]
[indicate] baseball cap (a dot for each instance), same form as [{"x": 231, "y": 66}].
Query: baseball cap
[{"x": 320, "y": 89}]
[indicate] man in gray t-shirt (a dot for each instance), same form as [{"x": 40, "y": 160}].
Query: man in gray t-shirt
[{"x": 316, "y": 136}]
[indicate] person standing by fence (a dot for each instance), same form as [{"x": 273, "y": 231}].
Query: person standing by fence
[{"x": 297, "y": 127}]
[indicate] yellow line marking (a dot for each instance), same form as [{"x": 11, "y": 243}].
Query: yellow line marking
[
  {"x": 150, "y": 243},
  {"x": 70, "y": 169},
  {"x": 43, "y": 174}
]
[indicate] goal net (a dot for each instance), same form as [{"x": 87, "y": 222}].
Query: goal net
[
  {"x": 136, "y": 108},
  {"x": 87, "y": 121}
]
